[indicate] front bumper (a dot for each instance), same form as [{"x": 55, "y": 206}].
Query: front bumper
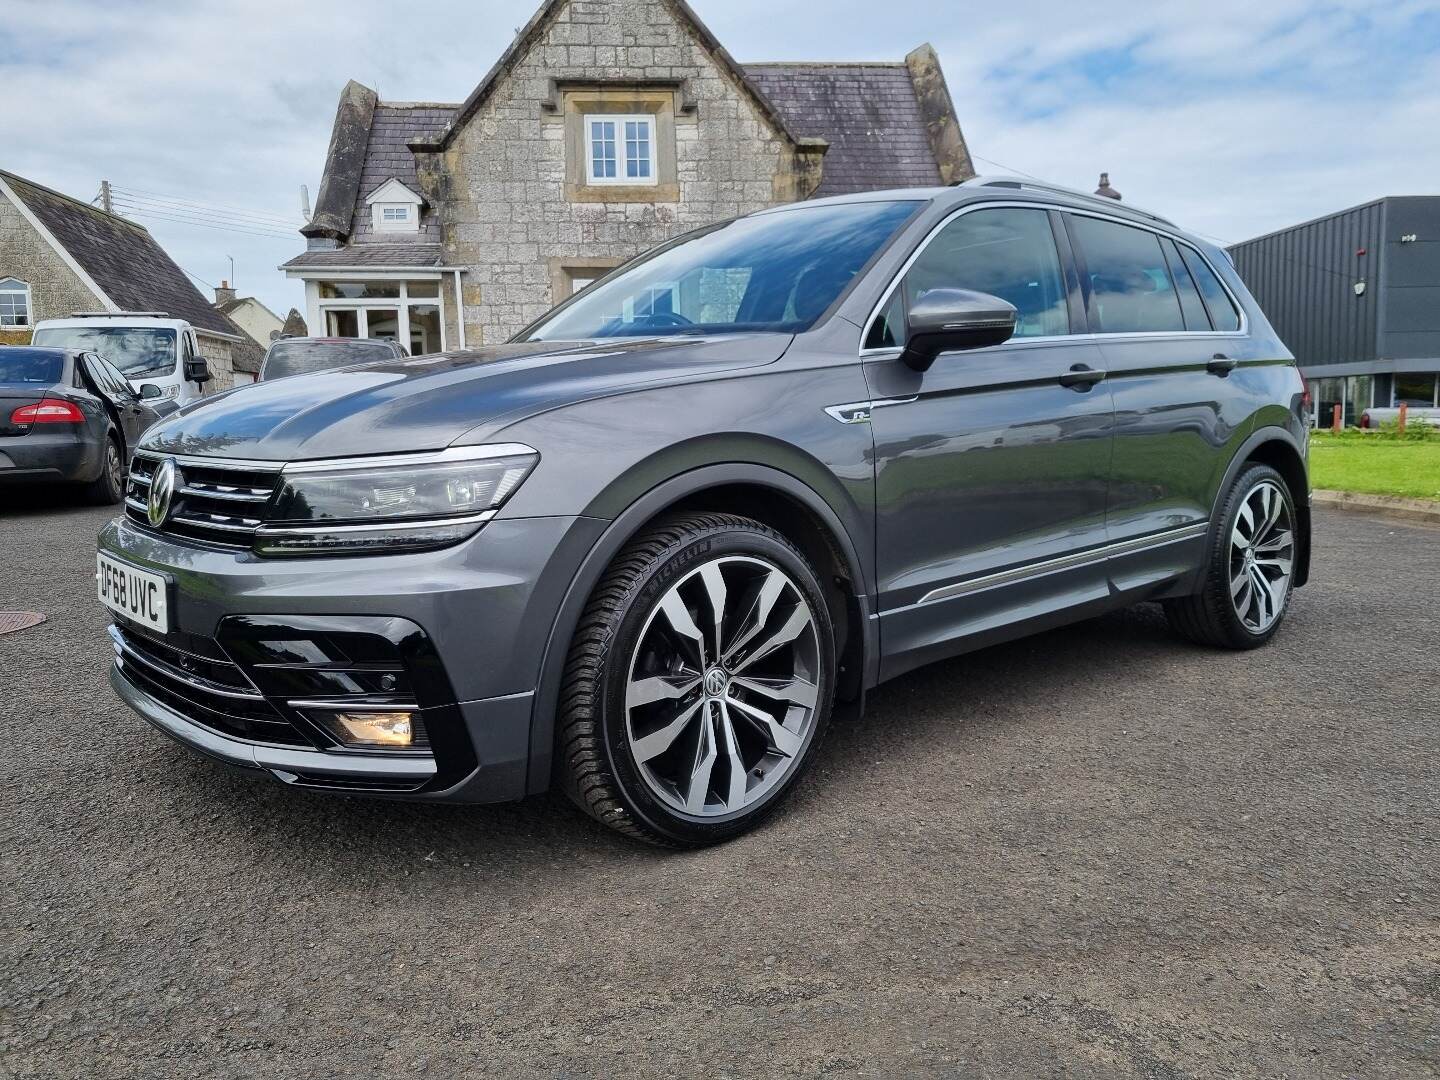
[{"x": 468, "y": 625}]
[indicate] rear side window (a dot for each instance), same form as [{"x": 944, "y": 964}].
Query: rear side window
[
  {"x": 1190, "y": 303},
  {"x": 1009, "y": 253},
  {"x": 1129, "y": 287},
  {"x": 1222, "y": 308}
]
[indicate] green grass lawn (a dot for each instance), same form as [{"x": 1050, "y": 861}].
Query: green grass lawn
[{"x": 1375, "y": 465}]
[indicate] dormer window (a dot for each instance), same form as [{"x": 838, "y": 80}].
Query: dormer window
[{"x": 394, "y": 208}]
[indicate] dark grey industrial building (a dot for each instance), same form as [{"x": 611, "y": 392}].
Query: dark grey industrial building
[{"x": 1356, "y": 296}]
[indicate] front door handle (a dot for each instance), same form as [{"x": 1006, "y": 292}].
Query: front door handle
[
  {"x": 1081, "y": 377},
  {"x": 1221, "y": 365}
]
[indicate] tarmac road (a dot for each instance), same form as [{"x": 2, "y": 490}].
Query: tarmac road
[{"x": 1099, "y": 852}]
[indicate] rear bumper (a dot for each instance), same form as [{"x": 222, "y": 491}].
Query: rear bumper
[{"x": 63, "y": 456}]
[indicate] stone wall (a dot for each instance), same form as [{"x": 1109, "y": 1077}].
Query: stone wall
[
  {"x": 55, "y": 289},
  {"x": 222, "y": 367},
  {"x": 502, "y": 181}
]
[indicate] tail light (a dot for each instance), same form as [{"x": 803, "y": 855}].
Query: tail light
[
  {"x": 1365, "y": 421},
  {"x": 1305, "y": 399},
  {"x": 47, "y": 411}
]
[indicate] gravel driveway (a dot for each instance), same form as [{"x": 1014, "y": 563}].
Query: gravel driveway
[{"x": 1100, "y": 852}]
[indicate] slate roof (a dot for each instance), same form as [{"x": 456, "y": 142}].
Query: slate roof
[
  {"x": 122, "y": 257},
  {"x": 867, "y": 112},
  {"x": 387, "y": 156},
  {"x": 372, "y": 254}
]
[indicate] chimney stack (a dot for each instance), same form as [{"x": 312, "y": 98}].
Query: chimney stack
[
  {"x": 224, "y": 294},
  {"x": 1105, "y": 189}
]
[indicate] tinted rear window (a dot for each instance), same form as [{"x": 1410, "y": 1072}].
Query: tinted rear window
[
  {"x": 28, "y": 366},
  {"x": 1222, "y": 310},
  {"x": 1130, "y": 288},
  {"x": 303, "y": 357}
]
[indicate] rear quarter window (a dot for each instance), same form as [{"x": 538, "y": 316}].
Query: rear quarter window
[{"x": 1217, "y": 300}]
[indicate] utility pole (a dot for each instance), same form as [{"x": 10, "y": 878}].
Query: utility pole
[{"x": 105, "y": 197}]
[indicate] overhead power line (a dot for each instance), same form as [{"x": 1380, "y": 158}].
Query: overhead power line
[
  {"x": 131, "y": 210},
  {"x": 205, "y": 212},
  {"x": 219, "y": 208}
]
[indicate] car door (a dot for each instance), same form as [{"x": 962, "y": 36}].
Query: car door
[
  {"x": 992, "y": 467},
  {"x": 131, "y": 416},
  {"x": 1181, "y": 407}
]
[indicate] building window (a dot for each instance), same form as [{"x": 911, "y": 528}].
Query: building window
[
  {"x": 620, "y": 150},
  {"x": 1417, "y": 391},
  {"x": 395, "y": 213},
  {"x": 14, "y": 303},
  {"x": 410, "y": 312}
]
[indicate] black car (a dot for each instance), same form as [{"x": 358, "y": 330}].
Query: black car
[
  {"x": 304, "y": 356},
  {"x": 69, "y": 417},
  {"x": 644, "y": 549}
]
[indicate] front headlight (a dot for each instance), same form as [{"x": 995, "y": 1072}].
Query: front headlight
[{"x": 384, "y": 505}]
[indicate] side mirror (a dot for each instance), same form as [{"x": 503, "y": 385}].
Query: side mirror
[
  {"x": 197, "y": 370},
  {"x": 946, "y": 320},
  {"x": 149, "y": 391}
]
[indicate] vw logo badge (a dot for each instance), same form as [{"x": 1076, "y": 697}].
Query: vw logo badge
[
  {"x": 716, "y": 682},
  {"x": 162, "y": 491}
]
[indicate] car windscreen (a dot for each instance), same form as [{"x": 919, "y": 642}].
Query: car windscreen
[
  {"x": 135, "y": 350},
  {"x": 28, "y": 366},
  {"x": 302, "y": 357},
  {"x": 773, "y": 272}
]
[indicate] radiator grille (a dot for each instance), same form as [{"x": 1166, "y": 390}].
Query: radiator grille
[{"x": 216, "y": 501}]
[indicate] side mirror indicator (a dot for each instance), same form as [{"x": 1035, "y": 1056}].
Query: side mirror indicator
[{"x": 948, "y": 320}]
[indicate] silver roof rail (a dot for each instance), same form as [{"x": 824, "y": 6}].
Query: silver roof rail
[
  {"x": 118, "y": 314},
  {"x": 1024, "y": 183}
]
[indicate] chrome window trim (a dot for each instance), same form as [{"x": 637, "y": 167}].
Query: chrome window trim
[
  {"x": 237, "y": 464},
  {"x": 969, "y": 208},
  {"x": 1063, "y": 562}
]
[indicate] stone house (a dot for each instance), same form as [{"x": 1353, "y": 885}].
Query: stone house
[
  {"x": 59, "y": 255},
  {"x": 607, "y": 127}
]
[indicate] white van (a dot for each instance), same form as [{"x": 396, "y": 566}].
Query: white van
[{"x": 150, "y": 349}]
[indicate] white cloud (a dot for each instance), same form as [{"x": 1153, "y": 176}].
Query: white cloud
[{"x": 1234, "y": 117}]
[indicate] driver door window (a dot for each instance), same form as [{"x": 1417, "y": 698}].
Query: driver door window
[{"x": 1009, "y": 253}]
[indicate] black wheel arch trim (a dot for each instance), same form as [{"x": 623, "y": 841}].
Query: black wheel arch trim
[
  {"x": 1261, "y": 437},
  {"x": 620, "y": 531}
]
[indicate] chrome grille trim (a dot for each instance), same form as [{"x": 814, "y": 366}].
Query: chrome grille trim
[{"x": 221, "y": 501}]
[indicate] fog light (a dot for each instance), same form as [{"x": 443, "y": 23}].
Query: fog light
[{"x": 387, "y": 730}]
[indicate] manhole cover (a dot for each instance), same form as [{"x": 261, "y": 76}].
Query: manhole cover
[{"x": 10, "y": 621}]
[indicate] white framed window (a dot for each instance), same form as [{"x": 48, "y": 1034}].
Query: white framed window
[
  {"x": 620, "y": 150},
  {"x": 14, "y": 302},
  {"x": 394, "y": 214}
]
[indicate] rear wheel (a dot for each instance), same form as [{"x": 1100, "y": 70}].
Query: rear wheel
[
  {"x": 699, "y": 683},
  {"x": 109, "y": 487},
  {"x": 1250, "y": 570}
]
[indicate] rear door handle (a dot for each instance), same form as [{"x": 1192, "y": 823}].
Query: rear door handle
[
  {"x": 1081, "y": 377},
  {"x": 1221, "y": 365}
]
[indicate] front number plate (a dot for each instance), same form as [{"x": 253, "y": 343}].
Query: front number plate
[{"x": 136, "y": 594}]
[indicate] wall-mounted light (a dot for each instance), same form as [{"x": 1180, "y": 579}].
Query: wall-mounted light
[{"x": 1359, "y": 288}]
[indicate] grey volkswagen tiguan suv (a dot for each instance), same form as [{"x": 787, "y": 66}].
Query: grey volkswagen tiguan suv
[{"x": 649, "y": 546}]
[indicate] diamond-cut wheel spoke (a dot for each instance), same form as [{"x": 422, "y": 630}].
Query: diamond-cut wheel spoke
[
  {"x": 797, "y": 691},
  {"x": 782, "y": 739},
  {"x": 659, "y": 688},
  {"x": 723, "y": 686},
  {"x": 656, "y": 743},
  {"x": 705, "y": 756}
]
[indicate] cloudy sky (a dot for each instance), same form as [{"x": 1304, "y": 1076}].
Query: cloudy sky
[{"x": 1232, "y": 116}]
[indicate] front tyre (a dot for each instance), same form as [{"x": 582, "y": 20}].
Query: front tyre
[
  {"x": 699, "y": 683},
  {"x": 1250, "y": 569}
]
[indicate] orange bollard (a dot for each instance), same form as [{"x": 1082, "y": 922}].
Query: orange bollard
[
  {"x": 1404, "y": 415},
  {"x": 1339, "y": 422}
]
